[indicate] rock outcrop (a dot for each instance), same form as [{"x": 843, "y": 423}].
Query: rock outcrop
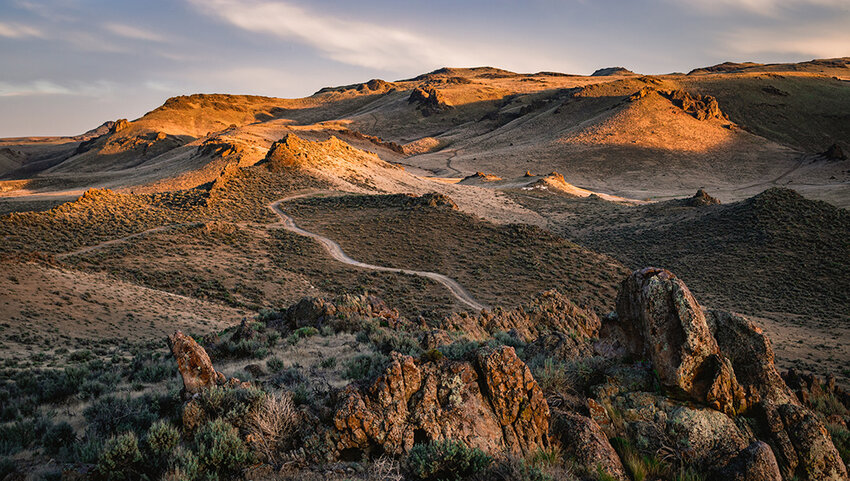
[
  {"x": 665, "y": 324},
  {"x": 492, "y": 403},
  {"x": 428, "y": 100},
  {"x": 702, "y": 198},
  {"x": 720, "y": 359},
  {"x": 835, "y": 152},
  {"x": 194, "y": 364},
  {"x": 701, "y": 107}
]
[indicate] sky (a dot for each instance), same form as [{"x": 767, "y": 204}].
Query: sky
[{"x": 66, "y": 66}]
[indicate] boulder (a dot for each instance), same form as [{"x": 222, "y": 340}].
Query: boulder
[
  {"x": 835, "y": 152},
  {"x": 664, "y": 323},
  {"x": 194, "y": 364},
  {"x": 755, "y": 463},
  {"x": 751, "y": 354},
  {"x": 492, "y": 404},
  {"x": 802, "y": 445},
  {"x": 582, "y": 439}
]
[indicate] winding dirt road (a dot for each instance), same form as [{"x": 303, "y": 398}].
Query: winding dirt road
[{"x": 337, "y": 253}]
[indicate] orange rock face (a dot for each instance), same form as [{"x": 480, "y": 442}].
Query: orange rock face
[
  {"x": 496, "y": 407},
  {"x": 193, "y": 363}
]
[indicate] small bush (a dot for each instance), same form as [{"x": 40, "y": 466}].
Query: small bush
[
  {"x": 274, "y": 364},
  {"x": 162, "y": 438},
  {"x": 272, "y": 427},
  {"x": 365, "y": 367},
  {"x": 221, "y": 451},
  {"x": 58, "y": 437},
  {"x": 120, "y": 457},
  {"x": 301, "y": 333},
  {"x": 445, "y": 460},
  {"x": 182, "y": 466},
  {"x": 841, "y": 439},
  {"x": 514, "y": 469}
]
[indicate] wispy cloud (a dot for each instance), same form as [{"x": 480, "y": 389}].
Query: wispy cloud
[
  {"x": 766, "y": 8},
  {"x": 352, "y": 42},
  {"x": 827, "y": 41},
  {"x": 133, "y": 33},
  {"x": 48, "y": 87},
  {"x": 16, "y": 30}
]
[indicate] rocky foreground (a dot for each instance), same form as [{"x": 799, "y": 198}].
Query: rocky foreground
[{"x": 666, "y": 390}]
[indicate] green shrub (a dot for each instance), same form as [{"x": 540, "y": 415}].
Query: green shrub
[
  {"x": 88, "y": 450},
  {"x": 515, "y": 469},
  {"x": 183, "y": 465},
  {"x": 57, "y": 437},
  {"x": 120, "y": 457},
  {"x": 162, "y": 438},
  {"x": 7, "y": 466},
  {"x": 274, "y": 364},
  {"x": 365, "y": 367},
  {"x": 231, "y": 404},
  {"x": 221, "y": 452},
  {"x": 444, "y": 460},
  {"x": 301, "y": 333},
  {"x": 110, "y": 415}
]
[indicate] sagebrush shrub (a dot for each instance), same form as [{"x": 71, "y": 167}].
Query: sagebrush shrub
[
  {"x": 120, "y": 457},
  {"x": 445, "y": 461},
  {"x": 221, "y": 452},
  {"x": 162, "y": 438},
  {"x": 272, "y": 426}
]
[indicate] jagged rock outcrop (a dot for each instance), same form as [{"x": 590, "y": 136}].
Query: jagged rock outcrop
[
  {"x": 702, "y": 198},
  {"x": 701, "y": 107},
  {"x": 339, "y": 315},
  {"x": 721, "y": 359},
  {"x": 808, "y": 388},
  {"x": 835, "y": 152},
  {"x": 119, "y": 125},
  {"x": 194, "y": 364},
  {"x": 428, "y": 100},
  {"x": 751, "y": 354},
  {"x": 550, "y": 311},
  {"x": 664, "y": 323},
  {"x": 800, "y": 442},
  {"x": 583, "y": 440},
  {"x": 492, "y": 403}
]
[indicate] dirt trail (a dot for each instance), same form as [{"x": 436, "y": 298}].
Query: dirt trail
[
  {"x": 337, "y": 253},
  {"x": 88, "y": 249}
]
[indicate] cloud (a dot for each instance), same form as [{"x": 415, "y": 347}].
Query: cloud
[
  {"x": 351, "y": 42},
  {"x": 133, "y": 33},
  {"x": 826, "y": 41},
  {"x": 766, "y": 8},
  {"x": 47, "y": 87},
  {"x": 14, "y": 30}
]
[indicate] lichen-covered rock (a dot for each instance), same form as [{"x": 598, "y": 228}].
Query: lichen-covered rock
[
  {"x": 749, "y": 350},
  {"x": 755, "y": 463},
  {"x": 517, "y": 400},
  {"x": 493, "y": 404},
  {"x": 583, "y": 440},
  {"x": 801, "y": 443},
  {"x": 193, "y": 363},
  {"x": 664, "y": 323}
]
